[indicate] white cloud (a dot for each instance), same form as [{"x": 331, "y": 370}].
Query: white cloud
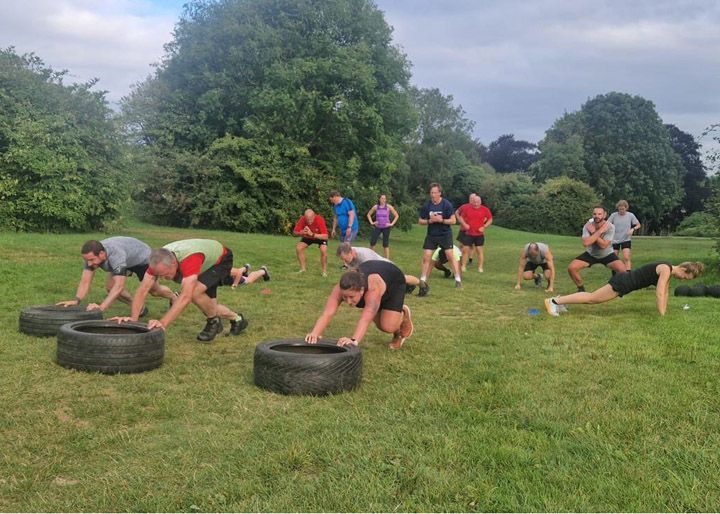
[{"x": 102, "y": 39}]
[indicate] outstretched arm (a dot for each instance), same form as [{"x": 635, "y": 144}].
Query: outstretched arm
[
  {"x": 331, "y": 307},
  {"x": 661, "y": 290},
  {"x": 82, "y": 289},
  {"x": 551, "y": 266},
  {"x": 521, "y": 269}
]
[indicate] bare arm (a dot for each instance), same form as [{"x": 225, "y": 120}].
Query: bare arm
[
  {"x": 351, "y": 220},
  {"x": 661, "y": 291},
  {"x": 331, "y": 307},
  {"x": 138, "y": 299},
  {"x": 551, "y": 266},
  {"x": 521, "y": 269},
  {"x": 370, "y": 213},
  {"x": 395, "y": 214},
  {"x": 376, "y": 288},
  {"x": 115, "y": 290},
  {"x": 82, "y": 289},
  {"x": 187, "y": 286},
  {"x": 463, "y": 226}
]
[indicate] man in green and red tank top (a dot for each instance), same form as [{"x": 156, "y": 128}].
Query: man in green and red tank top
[{"x": 200, "y": 266}]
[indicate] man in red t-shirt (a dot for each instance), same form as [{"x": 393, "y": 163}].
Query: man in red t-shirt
[
  {"x": 474, "y": 218},
  {"x": 311, "y": 229},
  {"x": 200, "y": 266}
]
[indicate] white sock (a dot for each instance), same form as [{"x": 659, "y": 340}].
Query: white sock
[
  {"x": 457, "y": 278},
  {"x": 423, "y": 278}
]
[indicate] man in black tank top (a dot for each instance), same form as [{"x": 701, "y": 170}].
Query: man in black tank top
[
  {"x": 378, "y": 288},
  {"x": 655, "y": 273}
]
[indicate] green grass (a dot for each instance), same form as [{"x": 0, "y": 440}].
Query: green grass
[{"x": 609, "y": 408}]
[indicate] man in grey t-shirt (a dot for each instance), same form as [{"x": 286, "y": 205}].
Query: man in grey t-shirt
[
  {"x": 532, "y": 256},
  {"x": 626, "y": 224},
  {"x": 120, "y": 257},
  {"x": 597, "y": 236},
  {"x": 354, "y": 256}
]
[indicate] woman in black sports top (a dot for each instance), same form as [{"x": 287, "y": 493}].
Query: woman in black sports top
[{"x": 655, "y": 273}]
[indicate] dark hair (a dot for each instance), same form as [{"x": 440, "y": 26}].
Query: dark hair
[
  {"x": 435, "y": 184},
  {"x": 334, "y": 193},
  {"x": 92, "y": 246},
  {"x": 352, "y": 279},
  {"x": 599, "y": 207}
]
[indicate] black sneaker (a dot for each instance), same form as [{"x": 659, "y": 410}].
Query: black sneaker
[
  {"x": 424, "y": 288},
  {"x": 409, "y": 289},
  {"x": 247, "y": 269},
  {"x": 581, "y": 289},
  {"x": 237, "y": 326},
  {"x": 537, "y": 278},
  {"x": 144, "y": 312},
  {"x": 212, "y": 328},
  {"x": 458, "y": 284},
  {"x": 266, "y": 276},
  {"x": 448, "y": 273}
]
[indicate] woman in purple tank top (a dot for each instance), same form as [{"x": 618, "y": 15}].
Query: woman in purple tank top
[{"x": 382, "y": 223}]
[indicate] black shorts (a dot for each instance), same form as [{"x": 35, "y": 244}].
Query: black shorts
[
  {"x": 531, "y": 266},
  {"x": 467, "y": 240},
  {"x": 586, "y": 257},
  {"x": 376, "y": 235},
  {"x": 444, "y": 242},
  {"x": 621, "y": 284},
  {"x": 319, "y": 242},
  {"x": 215, "y": 275},
  {"x": 138, "y": 270},
  {"x": 624, "y": 244}
]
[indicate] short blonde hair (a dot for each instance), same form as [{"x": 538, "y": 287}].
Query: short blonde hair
[
  {"x": 622, "y": 203},
  {"x": 693, "y": 268}
]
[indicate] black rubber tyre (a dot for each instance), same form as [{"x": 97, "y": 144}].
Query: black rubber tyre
[
  {"x": 713, "y": 291},
  {"x": 46, "y": 320},
  {"x": 682, "y": 290},
  {"x": 291, "y": 366},
  {"x": 698, "y": 290},
  {"x": 109, "y": 347}
]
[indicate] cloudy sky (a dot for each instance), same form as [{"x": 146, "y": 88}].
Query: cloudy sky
[{"x": 515, "y": 66}]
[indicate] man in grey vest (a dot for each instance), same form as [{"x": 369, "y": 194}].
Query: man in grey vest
[
  {"x": 536, "y": 255},
  {"x": 597, "y": 236}
]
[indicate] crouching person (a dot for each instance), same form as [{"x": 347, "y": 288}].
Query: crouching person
[
  {"x": 378, "y": 288},
  {"x": 200, "y": 266}
]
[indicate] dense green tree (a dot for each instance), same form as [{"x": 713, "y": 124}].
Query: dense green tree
[
  {"x": 441, "y": 148},
  {"x": 508, "y": 155},
  {"x": 313, "y": 78},
  {"x": 60, "y": 157},
  {"x": 618, "y": 145},
  {"x": 695, "y": 184}
]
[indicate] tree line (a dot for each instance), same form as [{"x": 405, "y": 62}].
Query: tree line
[{"x": 259, "y": 108}]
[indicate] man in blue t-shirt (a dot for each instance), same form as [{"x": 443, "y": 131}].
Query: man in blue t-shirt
[
  {"x": 344, "y": 218},
  {"x": 439, "y": 216}
]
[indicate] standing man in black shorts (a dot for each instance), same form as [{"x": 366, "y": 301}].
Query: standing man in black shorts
[
  {"x": 311, "y": 229},
  {"x": 378, "y": 288},
  {"x": 200, "y": 266},
  {"x": 597, "y": 236},
  {"x": 439, "y": 216}
]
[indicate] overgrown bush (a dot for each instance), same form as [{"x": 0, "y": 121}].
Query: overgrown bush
[
  {"x": 698, "y": 224},
  {"x": 60, "y": 157}
]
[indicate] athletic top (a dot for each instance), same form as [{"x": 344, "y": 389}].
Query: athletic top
[
  {"x": 638, "y": 278},
  {"x": 594, "y": 249},
  {"x": 382, "y": 216},
  {"x": 194, "y": 256},
  {"x": 445, "y": 208},
  {"x": 476, "y": 218},
  {"x": 317, "y": 226},
  {"x": 123, "y": 253},
  {"x": 542, "y": 255},
  {"x": 342, "y": 213},
  {"x": 366, "y": 254},
  {"x": 623, "y": 224},
  {"x": 437, "y": 255},
  {"x": 391, "y": 274}
]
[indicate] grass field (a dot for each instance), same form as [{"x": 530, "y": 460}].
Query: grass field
[{"x": 608, "y": 408}]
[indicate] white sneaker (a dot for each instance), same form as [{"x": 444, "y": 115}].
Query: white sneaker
[
  {"x": 561, "y": 308},
  {"x": 551, "y": 307},
  {"x": 480, "y": 270}
]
